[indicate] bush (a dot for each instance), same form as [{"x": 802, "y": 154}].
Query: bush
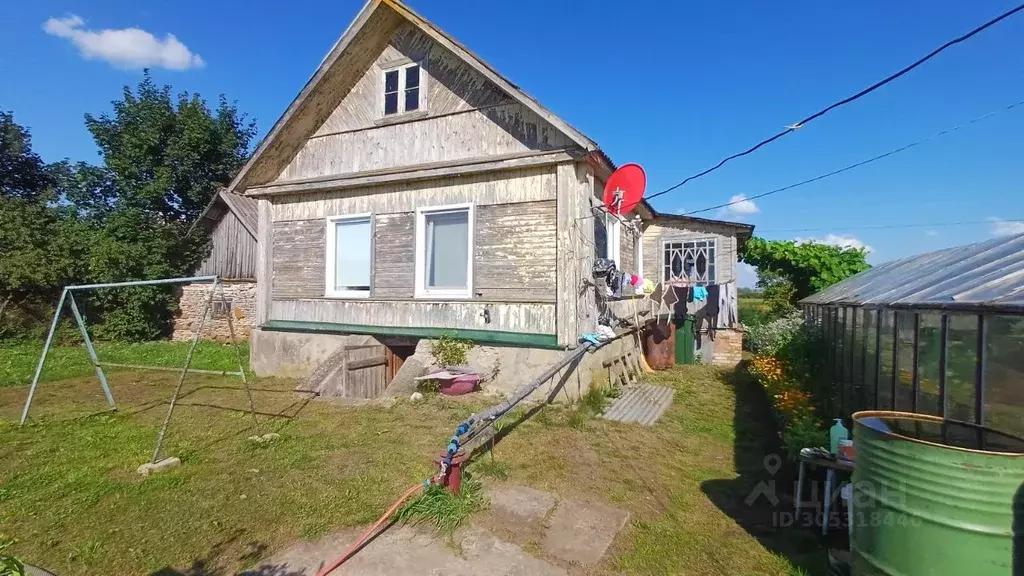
[
  {"x": 450, "y": 351},
  {"x": 773, "y": 336}
]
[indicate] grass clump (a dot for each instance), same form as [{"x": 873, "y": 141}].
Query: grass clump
[
  {"x": 590, "y": 405},
  {"x": 437, "y": 506},
  {"x": 493, "y": 468}
]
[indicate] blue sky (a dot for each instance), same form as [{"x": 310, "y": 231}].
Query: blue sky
[{"x": 674, "y": 88}]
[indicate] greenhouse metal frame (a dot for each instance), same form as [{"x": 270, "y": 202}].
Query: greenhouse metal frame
[{"x": 940, "y": 333}]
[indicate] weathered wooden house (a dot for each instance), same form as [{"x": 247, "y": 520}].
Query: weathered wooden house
[
  {"x": 230, "y": 220},
  {"x": 411, "y": 191}
]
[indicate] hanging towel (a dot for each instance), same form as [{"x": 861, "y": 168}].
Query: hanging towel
[
  {"x": 700, "y": 293},
  {"x": 714, "y": 291}
]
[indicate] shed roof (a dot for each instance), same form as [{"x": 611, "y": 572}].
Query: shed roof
[
  {"x": 984, "y": 276},
  {"x": 245, "y": 209}
]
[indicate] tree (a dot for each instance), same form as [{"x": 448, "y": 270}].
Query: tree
[
  {"x": 807, "y": 266},
  {"x": 163, "y": 160},
  {"x": 42, "y": 244}
]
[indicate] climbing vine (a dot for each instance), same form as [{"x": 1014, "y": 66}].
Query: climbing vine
[{"x": 809, "y": 266}]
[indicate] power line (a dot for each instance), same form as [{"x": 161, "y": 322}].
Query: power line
[
  {"x": 894, "y": 226},
  {"x": 868, "y": 90},
  {"x": 863, "y": 162}
]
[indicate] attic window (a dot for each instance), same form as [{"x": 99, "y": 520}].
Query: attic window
[{"x": 403, "y": 89}]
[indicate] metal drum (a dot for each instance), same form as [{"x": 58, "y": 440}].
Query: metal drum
[
  {"x": 934, "y": 497},
  {"x": 660, "y": 343}
]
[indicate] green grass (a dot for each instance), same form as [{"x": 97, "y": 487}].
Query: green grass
[
  {"x": 752, "y": 310},
  {"x": 18, "y": 360},
  {"x": 70, "y": 495},
  {"x": 438, "y": 506}
]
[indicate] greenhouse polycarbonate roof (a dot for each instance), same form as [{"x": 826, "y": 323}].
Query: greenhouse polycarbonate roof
[{"x": 986, "y": 275}]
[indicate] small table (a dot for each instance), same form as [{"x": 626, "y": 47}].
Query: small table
[{"x": 831, "y": 465}]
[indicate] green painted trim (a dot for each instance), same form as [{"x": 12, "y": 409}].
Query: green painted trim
[{"x": 484, "y": 336}]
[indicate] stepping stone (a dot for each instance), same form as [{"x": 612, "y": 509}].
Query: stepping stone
[
  {"x": 640, "y": 403},
  {"x": 582, "y": 532},
  {"x": 486, "y": 554},
  {"x": 522, "y": 505}
]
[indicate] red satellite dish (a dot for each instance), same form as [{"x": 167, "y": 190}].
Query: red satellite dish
[{"x": 625, "y": 189}]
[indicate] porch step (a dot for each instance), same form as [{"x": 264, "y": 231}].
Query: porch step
[{"x": 640, "y": 403}]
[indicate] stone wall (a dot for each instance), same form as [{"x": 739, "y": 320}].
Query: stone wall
[
  {"x": 728, "y": 348},
  {"x": 241, "y": 297}
]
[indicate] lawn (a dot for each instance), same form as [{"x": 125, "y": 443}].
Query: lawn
[
  {"x": 69, "y": 493},
  {"x": 18, "y": 360}
]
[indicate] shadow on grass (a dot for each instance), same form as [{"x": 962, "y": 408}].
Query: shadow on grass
[
  {"x": 486, "y": 441},
  {"x": 760, "y": 499}
]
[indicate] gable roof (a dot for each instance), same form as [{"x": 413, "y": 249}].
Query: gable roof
[
  {"x": 245, "y": 209},
  {"x": 348, "y": 59}
]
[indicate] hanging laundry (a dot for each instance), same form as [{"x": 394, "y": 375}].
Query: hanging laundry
[
  {"x": 713, "y": 291},
  {"x": 605, "y": 332},
  {"x": 637, "y": 281},
  {"x": 700, "y": 293},
  {"x": 648, "y": 287}
]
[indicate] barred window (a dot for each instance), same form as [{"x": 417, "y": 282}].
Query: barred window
[{"x": 692, "y": 260}]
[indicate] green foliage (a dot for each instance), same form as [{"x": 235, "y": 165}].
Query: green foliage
[
  {"x": 449, "y": 350},
  {"x": 772, "y": 336},
  {"x": 438, "y": 506},
  {"x": 492, "y": 468},
  {"x": 804, "y": 432},
  {"x": 131, "y": 218},
  {"x": 778, "y": 293},
  {"x": 9, "y": 565},
  {"x": 808, "y": 266}
]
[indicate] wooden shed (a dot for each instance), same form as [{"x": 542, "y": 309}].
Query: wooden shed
[{"x": 230, "y": 220}]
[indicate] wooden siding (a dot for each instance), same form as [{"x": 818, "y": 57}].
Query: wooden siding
[
  {"x": 576, "y": 305},
  {"x": 627, "y": 250},
  {"x": 394, "y": 257},
  {"x": 298, "y": 253},
  {"x": 515, "y": 252},
  {"x": 664, "y": 230},
  {"x": 452, "y": 85},
  {"x": 233, "y": 250},
  {"x": 513, "y": 186},
  {"x": 532, "y": 318},
  {"x": 495, "y": 131}
]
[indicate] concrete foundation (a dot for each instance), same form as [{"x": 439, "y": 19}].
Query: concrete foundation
[{"x": 505, "y": 368}]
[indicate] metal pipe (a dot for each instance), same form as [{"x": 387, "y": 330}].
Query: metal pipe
[
  {"x": 88, "y": 348},
  {"x": 168, "y": 369},
  {"x": 184, "y": 371},
  {"x": 42, "y": 358},
  {"x": 144, "y": 282},
  {"x": 981, "y": 360},
  {"x": 238, "y": 356},
  {"x": 895, "y": 358}
]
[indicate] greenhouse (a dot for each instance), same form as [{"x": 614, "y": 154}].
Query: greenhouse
[{"x": 940, "y": 333}]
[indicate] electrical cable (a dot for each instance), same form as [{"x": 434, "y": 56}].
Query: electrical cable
[
  {"x": 864, "y": 92},
  {"x": 861, "y": 163}
]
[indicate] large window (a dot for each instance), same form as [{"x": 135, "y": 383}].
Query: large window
[
  {"x": 692, "y": 260},
  {"x": 403, "y": 89},
  {"x": 349, "y": 256},
  {"x": 444, "y": 252}
]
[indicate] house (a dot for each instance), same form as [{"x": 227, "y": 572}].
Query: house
[
  {"x": 230, "y": 220},
  {"x": 411, "y": 191}
]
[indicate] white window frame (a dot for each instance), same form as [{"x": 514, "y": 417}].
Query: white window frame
[
  {"x": 713, "y": 239},
  {"x": 639, "y": 252},
  {"x": 332, "y": 260},
  {"x": 613, "y": 239},
  {"x": 421, "y": 290},
  {"x": 401, "y": 89}
]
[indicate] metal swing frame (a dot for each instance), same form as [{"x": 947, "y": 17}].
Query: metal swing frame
[{"x": 67, "y": 295}]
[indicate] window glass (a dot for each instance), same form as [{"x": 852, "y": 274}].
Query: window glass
[
  {"x": 904, "y": 392},
  {"x": 1004, "y": 374},
  {"x": 412, "y": 88},
  {"x": 870, "y": 360},
  {"x": 693, "y": 260},
  {"x": 961, "y": 362},
  {"x": 447, "y": 245},
  {"x": 929, "y": 353},
  {"x": 391, "y": 92},
  {"x": 352, "y": 255},
  {"x": 886, "y": 356}
]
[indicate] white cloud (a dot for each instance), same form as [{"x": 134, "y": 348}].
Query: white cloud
[
  {"x": 1006, "y": 227},
  {"x": 841, "y": 240},
  {"x": 738, "y": 207},
  {"x": 124, "y": 48}
]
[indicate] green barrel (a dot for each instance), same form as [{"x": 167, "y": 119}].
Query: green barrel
[
  {"x": 685, "y": 341},
  {"x": 934, "y": 497}
]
